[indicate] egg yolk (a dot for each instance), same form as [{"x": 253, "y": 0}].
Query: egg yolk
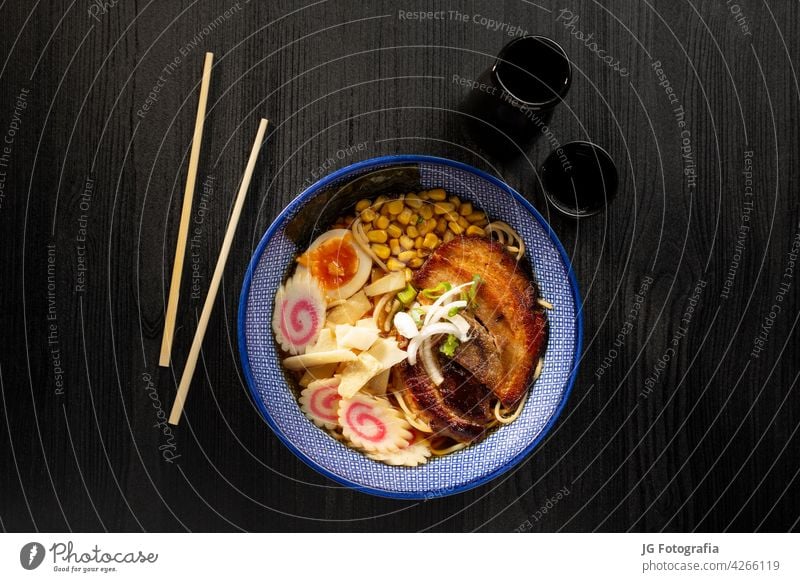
[{"x": 333, "y": 263}]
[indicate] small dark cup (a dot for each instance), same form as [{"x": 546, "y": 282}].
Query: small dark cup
[
  {"x": 513, "y": 101},
  {"x": 579, "y": 179}
]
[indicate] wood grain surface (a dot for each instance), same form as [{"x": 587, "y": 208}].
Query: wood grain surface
[{"x": 674, "y": 424}]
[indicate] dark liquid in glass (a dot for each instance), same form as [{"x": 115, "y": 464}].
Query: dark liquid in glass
[
  {"x": 516, "y": 96},
  {"x": 581, "y": 180},
  {"x": 534, "y": 71}
]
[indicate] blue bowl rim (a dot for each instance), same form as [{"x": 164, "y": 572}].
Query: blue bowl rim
[{"x": 309, "y": 192}]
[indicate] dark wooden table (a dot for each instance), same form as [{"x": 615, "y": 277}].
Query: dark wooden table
[{"x": 685, "y": 413}]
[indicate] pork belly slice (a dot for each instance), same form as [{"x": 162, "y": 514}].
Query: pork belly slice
[
  {"x": 513, "y": 328},
  {"x": 480, "y": 356},
  {"x": 459, "y": 408}
]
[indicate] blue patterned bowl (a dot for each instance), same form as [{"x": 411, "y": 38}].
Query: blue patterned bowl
[{"x": 307, "y": 216}]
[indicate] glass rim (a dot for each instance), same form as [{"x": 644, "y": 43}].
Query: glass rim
[
  {"x": 558, "y": 95},
  {"x": 571, "y": 211}
]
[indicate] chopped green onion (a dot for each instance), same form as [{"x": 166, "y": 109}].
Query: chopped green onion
[
  {"x": 454, "y": 311},
  {"x": 448, "y": 348},
  {"x": 407, "y": 295},
  {"x": 437, "y": 291},
  {"x": 420, "y": 220},
  {"x": 473, "y": 290}
]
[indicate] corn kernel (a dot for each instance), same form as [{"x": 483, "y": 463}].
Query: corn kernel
[
  {"x": 394, "y": 231},
  {"x": 377, "y": 236},
  {"x": 465, "y": 209},
  {"x": 455, "y": 201},
  {"x": 448, "y": 236},
  {"x": 404, "y": 217},
  {"x": 384, "y": 210},
  {"x": 426, "y": 211},
  {"x": 475, "y": 230},
  {"x": 394, "y": 265},
  {"x": 424, "y": 252},
  {"x": 412, "y": 231},
  {"x": 451, "y": 216},
  {"x": 414, "y": 201},
  {"x": 455, "y": 227},
  {"x": 443, "y": 207},
  {"x": 395, "y": 206},
  {"x": 476, "y": 216},
  {"x": 423, "y": 195},
  {"x": 382, "y": 251},
  {"x": 462, "y": 222},
  {"x": 406, "y": 256},
  {"x": 437, "y": 194},
  {"x": 418, "y": 242},
  {"x": 416, "y": 262},
  {"x": 380, "y": 200},
  {"x": 430, "y": 241},
  {"x": 368, "y": 215},
  {"x": 382, "y": 222},
  {"x": 406, "y": 242},
  {"x": 367, "y": 227},
  {"x": 409, "y": 275},
  {"x": 363, "y": 205},
  {"x": 441, "y": 226},
  {"x": 394, "y": 246}
]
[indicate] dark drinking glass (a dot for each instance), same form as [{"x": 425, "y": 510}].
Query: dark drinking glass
[
  {"x": 579, "y": 179},
  {"x": 510, "y": 104}
]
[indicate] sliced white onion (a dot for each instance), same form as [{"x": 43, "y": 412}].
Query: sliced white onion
[
  {"x": 443, "y": 311},
  {"x": 430, "y": 363},
  {"x": 405, "y": 325},
  {"x": 431, "y": 330},
  {"x": 461, "y": 323},
  {"x": 442, "y": 327},
  {"x": 443, "y": 299}
]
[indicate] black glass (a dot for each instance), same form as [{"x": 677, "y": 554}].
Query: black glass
[
  {"x": 579, "y": 179},
  {"x": 511, "y": 103}
]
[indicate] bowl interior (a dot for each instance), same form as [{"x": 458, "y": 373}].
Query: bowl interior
[{"x": 312, "y": 212}]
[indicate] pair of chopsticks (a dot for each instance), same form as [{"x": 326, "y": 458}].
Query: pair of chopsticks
[{"x": 180, "y": 250}]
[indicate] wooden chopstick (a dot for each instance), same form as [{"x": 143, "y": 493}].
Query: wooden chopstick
[
  {"x": 208, "y": 306},
  {"x": 186, "y": 215}
]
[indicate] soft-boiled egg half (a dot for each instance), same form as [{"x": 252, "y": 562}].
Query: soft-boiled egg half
[{"x": 338, "y": 263}]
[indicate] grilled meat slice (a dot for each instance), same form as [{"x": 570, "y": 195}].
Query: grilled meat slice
[
  {"x": 481, "y": 354},
  {"x": 506, "y": 308},
  {"x": 459, "y": 408}
]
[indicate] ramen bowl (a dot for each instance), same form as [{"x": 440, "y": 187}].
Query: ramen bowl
[{"x": 273, "y": 391}]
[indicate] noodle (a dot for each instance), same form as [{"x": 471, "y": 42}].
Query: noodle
[
  {"x": 387, "y": 323},
  {"x": 361, "y": 240},
  {"x": 411, "y": 418},
  {"x": 538, "y": 371},
  {"x": 497, "y": 227},
  {"x": 509, "y": 419},
  {"x": 544, "y": 303},
  {"x": 448, "y": 450},
  {"x": 378, "y": 310}
]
